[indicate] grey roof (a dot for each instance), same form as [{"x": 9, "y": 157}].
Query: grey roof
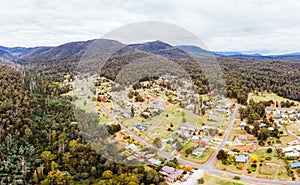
[
  {"x": 154, "y": 161},
  {"x": 241, "y": 158},
  {"x": 175, "y": 175},
  {"x": 243, "y": 137},
  {"x": 167, "y": 169},
  {"x": 198, "y": 150},
  {"x": 295, "y": 165}
]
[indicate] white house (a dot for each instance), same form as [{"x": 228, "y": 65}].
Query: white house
[{"x": 241, "y": 158}]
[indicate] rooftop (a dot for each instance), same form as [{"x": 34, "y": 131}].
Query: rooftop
[
  {"x": 295, "y": 165},
  {"x": 167, "y": 169}
]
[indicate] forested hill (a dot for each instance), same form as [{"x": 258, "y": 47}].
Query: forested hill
[
  {"x": 280, "y": 77},
  {"x": 41, "y": 144},
  {"x": 242, "y": 74}
]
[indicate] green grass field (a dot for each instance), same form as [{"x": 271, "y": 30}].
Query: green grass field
[
  {"x": 268, "y": 96},
  {"x": 158, "y": 125},
  {"x": 220, "y": 181}
]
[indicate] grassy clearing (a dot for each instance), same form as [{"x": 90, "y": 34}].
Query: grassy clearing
[
  {"x": 211, "y": 179},
  {"x": 158, "y": 125},
  {"x": 224, "y": 180},
  {"x": 286, "y": 139},
  {"x": 283, "y": 175},
  {"x": 267, "y": 170},
  {"x": 235, "y": 132},
  {"x": 268, "y": 96},
  {"x": 294, "y": 127},
  {"x": 269, "y": 167},
  {"x": 89, "y": 106},
  {"x": 230, "y": 168}
]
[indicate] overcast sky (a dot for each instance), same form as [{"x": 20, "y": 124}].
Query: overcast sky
[{"x": 269, "y": 26}]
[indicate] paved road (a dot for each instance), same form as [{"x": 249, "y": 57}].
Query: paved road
[
  {"x": 226, "y": 136},
  {"x": 208, "y": 166},
  {"x": 290, "y": 132}
]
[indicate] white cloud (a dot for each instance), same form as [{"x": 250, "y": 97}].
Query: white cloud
[{"x": 270, "y": 26}]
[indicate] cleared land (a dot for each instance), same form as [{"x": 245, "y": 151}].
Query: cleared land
[{"x": 268, "y": 96}]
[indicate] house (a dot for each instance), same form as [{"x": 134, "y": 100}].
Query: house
[
  {"x": 141, "y": 127},
  {"x": 174, "y": 176},
  {"x": 285, "y": 116},
  {"x": 132, "y": 147},
  {"x": 268, "y": 111},
  {"x": 262, "y": 125},
  {"x": 130, "y": 158},
  {"x": 243, "y": 124},
  {"x": 292, "y": 154},
  {"x": 198, "y": 151},
  {"x": 279, "y": 125},
  {"x": 209, "y": 103},
  {"x": 291, "y": 148},
  {"x": 295, "y": 165},
  {"x": 221, "y": 101},
  {"x": 158, "y": 104},
  {"x": 109, "y": 123},
  {"x": 241, "y": 158},
  {"x": 148, "y": 156},
  {"x": 166, "y": 170},
  {"x": 154, "y": 162},
  {"x": 243, "y": 137},
  {"x": 277, "y": 117},
  {"x": 236, "y": 141},
  {"x": 207, "y": 140},
  {"x": 295, "y": 142},
  {"x": 190, "y": 107},
  {"x": 231, "y": 152},
  {"x": 126, "y": 115},
  {"x": 271, "y": 128},
  {"x": 195, "y": 138}
]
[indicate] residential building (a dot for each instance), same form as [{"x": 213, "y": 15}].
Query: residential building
[{"x": 241, "y": 158}]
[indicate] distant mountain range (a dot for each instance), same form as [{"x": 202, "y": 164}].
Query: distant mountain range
[
  {"x": 294, "y": 57},
  {"x": 74, "y": 50}
]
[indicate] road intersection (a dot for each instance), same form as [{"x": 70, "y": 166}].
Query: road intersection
[{"x": 208, "y": 166}]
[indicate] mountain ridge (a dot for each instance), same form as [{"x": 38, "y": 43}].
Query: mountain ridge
[{"x": 74, "y": 51}]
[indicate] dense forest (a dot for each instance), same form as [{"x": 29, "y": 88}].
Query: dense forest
[
  {"x": 242, "y": 77},
  {"x": 41, "y": 142}
]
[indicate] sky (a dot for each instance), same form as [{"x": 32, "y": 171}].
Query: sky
[{"x": 250, "y": 26}]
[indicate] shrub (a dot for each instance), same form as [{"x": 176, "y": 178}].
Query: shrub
[
  {"x": 236, "y": 178},
  {"x": 240, "y": 167},
  {"x": 269, "y": 150},
  {"x": 201, "y": 181},
  {"x": 172, "y": 164},
  {"x": 254, "y": 165},
  {"x": 268, "y": 158}
]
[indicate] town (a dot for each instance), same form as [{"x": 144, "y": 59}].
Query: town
[{"x": 185, "y": 136}]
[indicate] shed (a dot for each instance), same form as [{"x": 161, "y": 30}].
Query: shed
[{"x": 295, "y": 165}]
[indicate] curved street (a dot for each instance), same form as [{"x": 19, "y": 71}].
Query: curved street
[{"x": 208, "y": 165}]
